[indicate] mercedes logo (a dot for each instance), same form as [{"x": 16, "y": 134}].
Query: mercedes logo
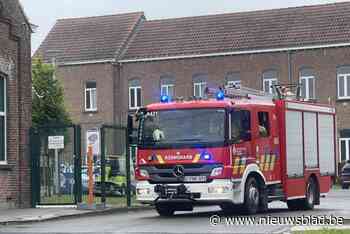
[{"x": 179, "y": 171}]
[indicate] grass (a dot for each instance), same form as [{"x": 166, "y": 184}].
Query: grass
[
  {"x": 324, "y": 231},
  {"x": 110, "y": 201}
]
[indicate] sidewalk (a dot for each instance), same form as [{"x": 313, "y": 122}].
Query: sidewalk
[{"x": 15, "y": 216}]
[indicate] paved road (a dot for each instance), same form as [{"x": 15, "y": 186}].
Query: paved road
[{"x": 337, "y": 203}]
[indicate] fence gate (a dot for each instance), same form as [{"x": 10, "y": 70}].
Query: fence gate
[
  {"x": 115, "y": 184},
  {"x": 56, "y": 165}
]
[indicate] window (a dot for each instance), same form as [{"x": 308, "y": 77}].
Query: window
[
  {"x": 240, "y": 126},
  {"x": 135, "y": 94},
  {"x": 234, "y": 83},
  {"x": 264, "y": 126},
  {"x": 344, "y": 149},
  {"x": 167, "y": 90},
  {"x": 3, "y": 128},
  {"x": 233, "y": 79},
  {"x": 199, "y": 84},
  {"x": 343, "y": 79},
  {"x": 269, "y": 79},
  {"x": 307, "y": 81},
  {"x": 199, "y": 88},
  {"x": 134, "y": 97},
  {"x": 90, "y": 96},
  {"x": 167, "y": 86},
  {"x": 198, "y": 126}
]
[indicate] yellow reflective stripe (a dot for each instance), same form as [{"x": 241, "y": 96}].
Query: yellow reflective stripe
[
  {"x": 267, "y": 162},
  {"x": 272, "y": 164},
  {"x": 160, "y": 159},
  {"x": 196, "y": 158},
  {"x": 262, "y": 161},
  {"x": 235, "y": 166},
  {"x": 243, "y": 164}
]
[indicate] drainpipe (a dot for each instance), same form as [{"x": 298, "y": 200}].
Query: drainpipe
[
  {"x": 114, "y": 66},
  {"x": 290, "y": 78},
  {"x": 116, "y": 91}
]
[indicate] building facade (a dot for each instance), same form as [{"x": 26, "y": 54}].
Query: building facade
[
  {"x": 181, "y": 57},
  {"x": 15, "y": 105}
]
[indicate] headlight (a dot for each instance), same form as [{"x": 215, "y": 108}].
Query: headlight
[
  {"x": 142, "y": 191},
  {"x": 144, "y": 173},
  {"x": 141, "y": 174},
  {"x": 216, "y": 171},
  {"x": 219, "y": 189}
]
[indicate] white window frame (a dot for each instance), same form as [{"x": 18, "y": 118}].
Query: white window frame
[
  {"x": 346, "y": 94},
  {"x": 4, "y": 114},
  {"x": 200, "y": 84},
  {"x": 135, "y": 97},
  {"x": 307, "y": 90},
  {"x": 234, "y": 83},
  {"x": 347, "y": 145},
  {"x": 166, "y": 87},
  {"x": 270, "y": 80},
  {"x": 90, "y": 97}
]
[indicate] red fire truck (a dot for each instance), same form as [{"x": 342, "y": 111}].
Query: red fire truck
[{"x": 236, "y": 148}]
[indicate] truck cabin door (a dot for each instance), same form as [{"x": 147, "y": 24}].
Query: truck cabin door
[
  {"x": 265, "y": 147},
  {"x": 240, "y": 136}
]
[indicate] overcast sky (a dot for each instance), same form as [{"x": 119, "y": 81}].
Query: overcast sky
[{"x": 44, "y": 13}]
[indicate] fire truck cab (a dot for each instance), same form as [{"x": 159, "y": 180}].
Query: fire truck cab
[{"x": 235, "y": 150}]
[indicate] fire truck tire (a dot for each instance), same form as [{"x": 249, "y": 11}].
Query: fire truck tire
[
  {"x": 345, "y": 186},
  {"x": 308, "y": 202},
  {"x": 251, "y": 196},
  {"x": 229, "y": 209},
  {"x": 295, "y": 204},
  {"x": 264, "y": 203},
  {"x": 164, "y": 210},
  {"x": 311, "y": 194}
]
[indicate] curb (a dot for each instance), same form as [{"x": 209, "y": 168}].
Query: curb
[{"x": 78, "y": 215}]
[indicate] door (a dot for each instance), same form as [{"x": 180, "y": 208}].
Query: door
[{"x": 266, "y": 143}]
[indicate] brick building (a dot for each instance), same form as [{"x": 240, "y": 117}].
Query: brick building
[
  {"x": 85, "y": 51},
  {"x": 15, "y": 105},
  {"x": 308, "y": 45}
]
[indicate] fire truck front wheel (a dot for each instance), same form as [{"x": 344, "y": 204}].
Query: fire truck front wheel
[{"x": 251, "y": 196}]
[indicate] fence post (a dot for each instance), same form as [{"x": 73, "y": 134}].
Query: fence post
[
  {"x": 77, "y": 166},
  {"x": 35, "y": 174},
  {"x": 103, "y": 166},
  {"x": 128, "y": 179},
  {"x": 90, "y": 174}
]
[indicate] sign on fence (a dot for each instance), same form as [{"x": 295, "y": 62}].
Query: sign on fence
[
  {"x": 56, "y": 142},
  {"x": 93, "y": 139}
]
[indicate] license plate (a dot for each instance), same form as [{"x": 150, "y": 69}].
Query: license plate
[{"x": 195, "y": 179}]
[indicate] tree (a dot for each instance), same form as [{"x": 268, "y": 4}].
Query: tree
[{"x": 48, "y": 96}]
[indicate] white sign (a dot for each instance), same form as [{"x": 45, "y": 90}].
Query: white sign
[
  {"x": 93, "y": 138},
  {"x": 56, "y": 142}
]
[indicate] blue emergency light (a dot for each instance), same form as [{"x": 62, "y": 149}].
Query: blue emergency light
[
  {"x": 206, "y": 156},
  {"x": 164, "y": 98},
  {"x": 220, "y": 95}
]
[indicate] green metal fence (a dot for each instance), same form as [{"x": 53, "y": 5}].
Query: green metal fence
[
  {"x": 60, "y": 178},
  {"x": 56, "y": 165}
]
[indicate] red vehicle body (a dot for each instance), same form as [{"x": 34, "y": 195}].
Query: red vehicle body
[{"x": 271, "y": 150}]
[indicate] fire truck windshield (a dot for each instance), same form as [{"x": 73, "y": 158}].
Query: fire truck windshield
[{"x": 182, "y": 126}]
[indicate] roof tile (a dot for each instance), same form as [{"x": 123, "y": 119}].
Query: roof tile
[
  {"x": 264, "y": 29},
  {"x": 88, "y": 38}
]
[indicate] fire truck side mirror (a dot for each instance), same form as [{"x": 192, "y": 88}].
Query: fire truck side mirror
[{"x": 130, "y": 122}]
